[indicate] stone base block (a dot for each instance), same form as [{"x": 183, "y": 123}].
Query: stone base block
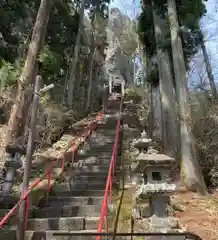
[{"x": 163, "y": 225}]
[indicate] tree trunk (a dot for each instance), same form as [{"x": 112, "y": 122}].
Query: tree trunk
[
  {"x": 134, "y": 68},
  {"x": 151, "y": 111},
  {"x": 150, "y": 114},
  {"x": 20, "y": 108},
  {"x": 72, "y": 78},
  {"x": 94, "y": 92},
  {"x": 88, "y": 103},
  {"x": 208, "y": 66},
  {"x": 156, "y": 114},
  {"x": 143, "y": 67},
  {"x": 191, "y": 171},
  {"x": 167, "y": 98}
]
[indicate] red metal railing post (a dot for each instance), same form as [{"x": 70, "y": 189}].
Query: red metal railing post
[
  {"x": 113, "y": 165},
  {"x": 106, "y": 215},
  {"x": 110, "y": 185}
]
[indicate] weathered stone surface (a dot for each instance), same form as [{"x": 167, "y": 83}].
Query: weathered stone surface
[
  {"x": 151, "y": 158},
  {"x": 53, "y": 201},
  {"x": 163, "y": 224},
  {"x": 143, "y": 142},
  {"x": 73, "y": 223},
  {"x": 76, "y": 199},
  {"x": 52, "y": 235}
]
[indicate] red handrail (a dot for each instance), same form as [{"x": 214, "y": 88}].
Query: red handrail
[
  {"x": 111, "y": 172},
  {"x": 48, "y": 173}
]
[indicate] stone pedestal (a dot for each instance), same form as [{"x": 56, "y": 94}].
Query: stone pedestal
[
  {"x": 11, "y": 166},
  {"x": 155, "y": 168}
]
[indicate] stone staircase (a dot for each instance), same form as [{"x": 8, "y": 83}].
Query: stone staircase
[{"x": 74, "y": 204}]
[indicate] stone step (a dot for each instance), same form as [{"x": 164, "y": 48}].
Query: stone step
[
  {"x": 90, "y": 174},
  {"x": 83, "y": 180},
  {"x": 50, "y": 235},
  {"x": 97, "y": 151},
  {"x": 60, "y": 211},
  {"x": 104, "y": 134},
  {"x": 88, "y": 178},
  {"x": 106, "y": 142},
  {"x": 72, "y": 223},
  {"x": 106, "y": 131},
  {"x": 78, "y": 193},
  {"x": 87, "y": 161},
  {"x": 92, "y": 168},
  {"x": 84, "y": 177},
  {"x": 74, "y": 200},
  {"x": 79, "y": 186},
  {"x": 88, "y": 183},
  {"x": 99, "y": 161},
  {"x": 68, "y": 211},
  {"x": 8, "y": 201}
]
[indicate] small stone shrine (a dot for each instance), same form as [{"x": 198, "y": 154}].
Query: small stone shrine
[{"x": 155, "y": 189}]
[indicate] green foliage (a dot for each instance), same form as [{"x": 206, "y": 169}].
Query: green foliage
[
  {"x": 132, "y": 94},
  {"x": 189, "y": 14},
  {"x": 62, "y": 27},
  {"x": 44, "y": 99},
  {"x": 9, "y": 74},
  {"x": 17, "y": 19},
  {"x": 99, "y": 6},
  {"x": 51, "y": 63},
  {"x": 16, "y": 25},
  {"x": 14, "y": 17},
  {"x": 153, "y": 77},
  {"x": 146, "y": 30}
]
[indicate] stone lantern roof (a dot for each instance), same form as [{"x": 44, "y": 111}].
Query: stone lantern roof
[{"x": 153, "y": 158}]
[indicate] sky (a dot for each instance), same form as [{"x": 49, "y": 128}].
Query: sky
[
  {"x": 128, "y": 7},
  {"x": 209, "y": 24}
]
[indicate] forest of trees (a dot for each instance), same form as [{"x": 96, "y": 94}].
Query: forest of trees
[
  {"x": 175, "y": 26},
  {"x": 50, "y": 38},
  {"x": 53, "y": 39}
]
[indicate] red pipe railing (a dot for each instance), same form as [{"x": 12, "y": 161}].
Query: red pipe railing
[
  {"x": 109, "y": 183},
  {"x": 48, "y": 173}
]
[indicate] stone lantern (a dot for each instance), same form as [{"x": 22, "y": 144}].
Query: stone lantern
[
  {"x": 156, "y": 188},
  {"x": 141, "y": 145},
  {"x": 143, "y": 142}
]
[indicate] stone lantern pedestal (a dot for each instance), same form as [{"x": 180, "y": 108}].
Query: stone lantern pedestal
[{"x": 156, "y": 188}]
